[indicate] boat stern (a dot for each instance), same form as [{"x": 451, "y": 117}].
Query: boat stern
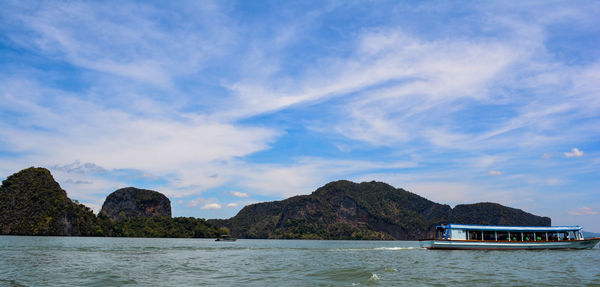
[{"x": 426, "y": 243}]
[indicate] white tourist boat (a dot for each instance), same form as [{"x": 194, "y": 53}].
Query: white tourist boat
[{"x": 462, "y": 236}]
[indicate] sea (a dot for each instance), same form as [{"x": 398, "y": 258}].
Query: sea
[{"x": 99, "y": 261}]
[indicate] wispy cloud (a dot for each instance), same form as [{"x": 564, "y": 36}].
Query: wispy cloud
[
  {"x": 124, "y": 42},
  {"x": 70, "y": 181},
  {"x": 78, "y": 167}
]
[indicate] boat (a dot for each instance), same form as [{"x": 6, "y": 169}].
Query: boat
[
  {"x": 496, "y": 237},
  {"x": 225, "y": 237}
]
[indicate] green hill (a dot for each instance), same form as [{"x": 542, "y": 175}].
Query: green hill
[
  {"x": 369, "y": 210},
  {"x": 32, "y": 203}
]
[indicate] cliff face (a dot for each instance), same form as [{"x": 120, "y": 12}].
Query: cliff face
[
  {"x": 133, "y": 202},
  {"x": 369, "y": 210},
  {"x": 32, "y": 203}
]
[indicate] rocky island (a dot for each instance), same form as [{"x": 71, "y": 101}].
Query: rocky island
[
  {"x": 134, "y": 202},
  {"x": 368, "y": 210},
  {"x": 33, "y": 203}
]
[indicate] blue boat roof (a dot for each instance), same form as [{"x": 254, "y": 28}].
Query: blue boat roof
[{"x": 510, "y": 228}]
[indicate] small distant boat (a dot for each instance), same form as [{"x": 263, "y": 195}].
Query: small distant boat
[
  {"x": 226, "y": 237},
  {"x": 463, "y": 236}
]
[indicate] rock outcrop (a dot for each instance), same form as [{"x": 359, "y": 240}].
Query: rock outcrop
[
  {"x": 369, "y": 210},
  {"x": 131, "y": 202},
  {"x": 33, "y": 203}
]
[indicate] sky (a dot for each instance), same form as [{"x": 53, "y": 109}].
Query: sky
[{"x": 222, "y": 104}]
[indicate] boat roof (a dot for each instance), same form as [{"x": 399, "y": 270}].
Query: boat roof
[{"x": 511, "y": 228}]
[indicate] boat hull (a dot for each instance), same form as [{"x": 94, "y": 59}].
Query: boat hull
[{"x": 508, "y": 245}]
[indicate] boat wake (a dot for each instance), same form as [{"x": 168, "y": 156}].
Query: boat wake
[
  {"x": 379, "y": 248},
  {"x": 398, "y": 248}
]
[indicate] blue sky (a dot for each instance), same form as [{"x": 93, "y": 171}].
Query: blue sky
[{"x": 221, "y": 104}]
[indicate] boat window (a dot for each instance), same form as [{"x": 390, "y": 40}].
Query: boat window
[
  {"x": 474, "y": 235},
  {"x": 567, "y": 235},
  {"x": 489, "y": 235},
  {"x": 502, "y": 235},
  {"x": 515, "y": 236},
  {"x": 528, "y": 236}
]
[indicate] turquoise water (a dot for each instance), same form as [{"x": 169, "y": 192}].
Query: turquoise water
[{"x": 83, "y": 261}]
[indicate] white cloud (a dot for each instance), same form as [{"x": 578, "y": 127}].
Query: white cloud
[
  {"x": 211, "y": 206},
  {"x": 233, "y": 204},
  {"x": 495, "y": 172},
  {"x": 584, "y": 211},
  {"x": 239, "y": 194},
  {"x": 575, "y": 152},
  {"x": 188, "y": 149}
]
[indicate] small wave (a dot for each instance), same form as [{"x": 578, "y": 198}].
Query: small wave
[
  {"x": 374, "y": 277},
  {"x": 397, "y": 248}
]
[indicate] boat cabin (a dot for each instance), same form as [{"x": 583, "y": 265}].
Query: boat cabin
[{"x": 508, "y": 233}]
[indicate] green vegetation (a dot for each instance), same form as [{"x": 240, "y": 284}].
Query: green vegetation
[
  {"x": 369, "y": 210},
  {"x": 32, "y": 203},
  {"x": 178, "y": 227}
]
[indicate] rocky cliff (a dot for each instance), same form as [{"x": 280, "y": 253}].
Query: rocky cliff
[
  {"x": 32, "y": 203},
  {"x": 369, "y": 210},
  {"x": 131, "y": 202}
]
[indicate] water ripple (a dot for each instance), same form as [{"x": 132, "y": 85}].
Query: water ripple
[{"x": 67, "y": 261}]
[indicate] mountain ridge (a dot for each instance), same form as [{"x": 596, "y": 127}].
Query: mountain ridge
[
  {"x": 368, "y": 210},
  {"x": 33, "y": 203}
]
